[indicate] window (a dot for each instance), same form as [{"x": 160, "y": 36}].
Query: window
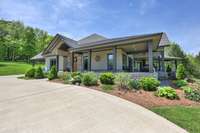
[
  {"x": 124, "y": 61},
  {"x": 85, "y": 63},
  {"x": 53, "y": 62},
  {"x": 110, "y": 61}
]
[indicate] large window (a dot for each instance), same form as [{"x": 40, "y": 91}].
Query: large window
[
  {"x": 110, "y": 61},
  {"x": 85, "y": 63},
  {"x": 53, "y": 62}
]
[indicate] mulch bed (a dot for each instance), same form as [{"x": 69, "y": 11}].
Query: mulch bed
[{"x": 145, "y": 98}]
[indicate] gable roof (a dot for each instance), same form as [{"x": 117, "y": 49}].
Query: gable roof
[
  {"x": 38, "y": 57},
  {"x": 91, "y": 38},
  {"x": 163, "y": 40},
  {"x": 58, "y": 37},
  {"x": 94, "y": 40}
]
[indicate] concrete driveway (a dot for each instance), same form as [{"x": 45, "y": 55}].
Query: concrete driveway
[{"x": 38, "y": 106}]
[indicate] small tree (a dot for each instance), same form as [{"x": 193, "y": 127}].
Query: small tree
[
  {"x": 30, "y": 73},
  {"x": 53, "y": 73},
  {"x": 39, "y": 73},
  {"x": 181, "y": 72}
]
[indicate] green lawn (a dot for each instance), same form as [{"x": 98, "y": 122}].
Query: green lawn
[
  {"x": 13, "y": 68},
  {"x": 186, "y": 117}
]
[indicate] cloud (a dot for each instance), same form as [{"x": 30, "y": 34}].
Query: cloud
[
  {"x": 51, "y": 15},
  {"x": 143, "y": 6}
]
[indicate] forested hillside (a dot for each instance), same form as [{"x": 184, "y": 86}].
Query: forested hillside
[{"x": 20, "y": 42}]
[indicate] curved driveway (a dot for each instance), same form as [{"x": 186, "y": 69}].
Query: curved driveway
[{"x": 38, "y": 106}]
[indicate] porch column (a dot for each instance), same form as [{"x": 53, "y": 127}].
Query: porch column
[
  {"x": 133, "y": 63},
  {"x": 57, "y": 62},
  {"x": 72, "y": 62},
  {"x": 114, "y": 51},
  {"x": 89, "y": 60},
  {"x": 162, "y": 61},
  {"x": 150, "y": 55}
]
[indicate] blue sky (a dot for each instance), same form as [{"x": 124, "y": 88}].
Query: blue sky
[{"x": 180, "y": 19}]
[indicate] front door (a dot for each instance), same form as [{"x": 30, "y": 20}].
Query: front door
[
  {"x": 85, "y": 63},
  {"x": 75, "y": 64}
]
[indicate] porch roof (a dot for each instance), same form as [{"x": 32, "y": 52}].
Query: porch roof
[
  {"x": 38, "y": 57},
  {"x": 162, "y": 41}
]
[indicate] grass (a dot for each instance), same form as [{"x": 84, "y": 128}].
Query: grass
[
  {"x": 186, "y": 117},
  {"x": 107, "y": 88},
  {"x": 13, "y": 68}
]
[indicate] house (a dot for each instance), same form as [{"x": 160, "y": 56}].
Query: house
[{"x": 140, "y": 55}]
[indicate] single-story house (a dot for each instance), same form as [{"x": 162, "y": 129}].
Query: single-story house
[{"x": 140, "y": 54}]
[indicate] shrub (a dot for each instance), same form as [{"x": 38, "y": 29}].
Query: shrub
[
  {"x": 76, "y": 79},
  {"x": 167, "y": 92},
  {"x": 193, "y": 95},
  {"x": 149, "y": 83},
  {"x": 107, "y": 87},
  {"x": 53, "y": 73},
  {"x": 89, "y": 79},
  {"x": 74, "y": 74},
  {"x": 107, "y": 78},
  {"x": 187, "y": 89},
  {"x": 39, "y": 73},
  {"x": 30, "y": 73},
  {"x": 181, "y": 72},
  {"x": 181, "y": 83},
  {"x": 134, "y": 84},
  {"x": 122, "y": 80},
  {"x": 68, "y": 78}
]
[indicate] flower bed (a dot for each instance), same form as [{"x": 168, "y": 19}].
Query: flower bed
[{"x": 144, "y": 98}]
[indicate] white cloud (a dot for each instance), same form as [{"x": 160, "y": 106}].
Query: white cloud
[
  {"x": 51, "y": 15},
  {"x": 146, "y": 5}
]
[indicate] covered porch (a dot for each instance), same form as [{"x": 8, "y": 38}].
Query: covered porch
[{"x": 141, "y": 55}]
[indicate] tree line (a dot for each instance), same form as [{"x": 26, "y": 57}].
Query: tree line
[
  {"x": 19, "y": 42},
  {"x": 190, "y": 61}
]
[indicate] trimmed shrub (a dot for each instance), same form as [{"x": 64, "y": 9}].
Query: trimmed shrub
[
  {"x": 181, "y": 72},
  {"x": 30, "y": 73},
  {"x": 149, "y": 83},
  {"x": 122, "y": 80},
  {"x": 134, "y": 84},
  {"x": 53, "y": 73},
  {"x": 39, "y": 73},
  {"x": 167, "y": 92},
  {"x": 89, "y": 79},
  {"x": 107, "y": 78},
  {"x": 181, "y": 83}
]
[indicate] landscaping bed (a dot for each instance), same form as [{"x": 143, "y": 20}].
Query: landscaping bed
[{"x": 146, "y": 99}]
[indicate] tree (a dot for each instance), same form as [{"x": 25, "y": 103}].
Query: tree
[
  {"x": 19, "y": 42},
  {"x": 181, "y": 72},
  {"x": 174, "y": 50}
]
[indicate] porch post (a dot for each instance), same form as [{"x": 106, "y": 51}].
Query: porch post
[
  {"x": 150, "y": 55},
  {"x": 114, "y": 51},
  {"x": 133, "y": 63},
  {"x": 162, "y": 61},
  {"x": 89, "y": 60},
  {"x": 72, "y": 62}
]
